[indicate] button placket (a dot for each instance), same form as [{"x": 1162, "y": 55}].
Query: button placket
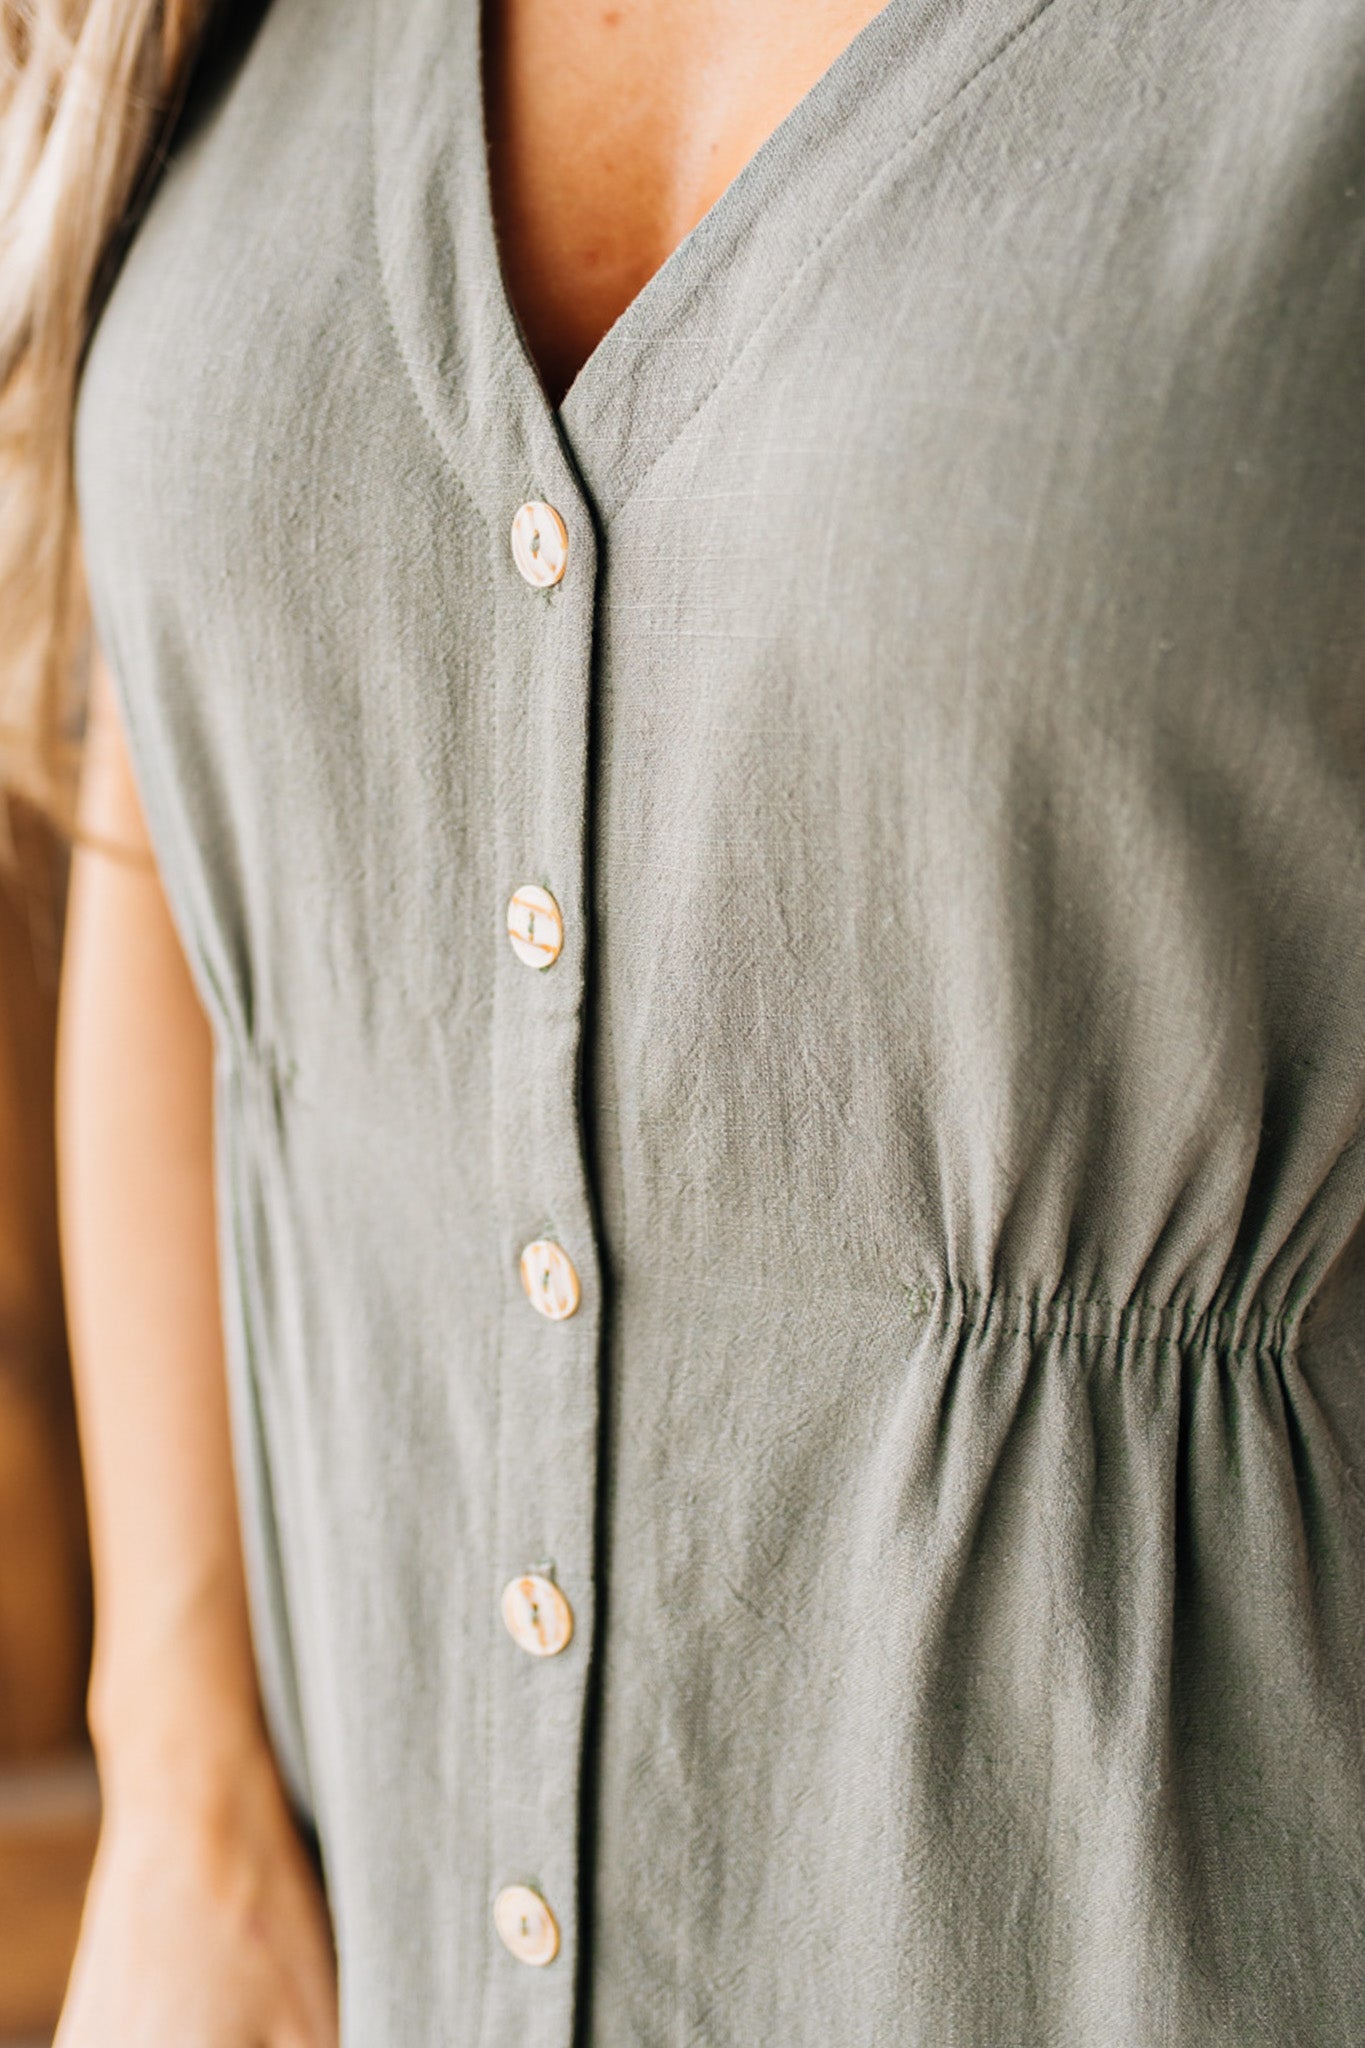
[{"x": 548, "y": 1363}]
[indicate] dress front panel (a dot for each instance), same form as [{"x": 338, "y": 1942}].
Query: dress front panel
[{"x": 944, "y": 750}]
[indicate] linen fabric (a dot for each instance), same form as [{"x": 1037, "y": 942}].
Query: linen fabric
[{"x": 946, "y": 747}]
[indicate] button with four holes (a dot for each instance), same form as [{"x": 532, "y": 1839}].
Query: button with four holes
[
  {"x": 535, "y": 926},
  {"x": 527, "y": 1926},
  {"x": 539, "y": 1619},
  {"x": 548, "y": 1275},
  {"x": 540, "y": 544}
]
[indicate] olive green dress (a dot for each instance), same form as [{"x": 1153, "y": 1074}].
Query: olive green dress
[{"x": 790, "y": 1025}]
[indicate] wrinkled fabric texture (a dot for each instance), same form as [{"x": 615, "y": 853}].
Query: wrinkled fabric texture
[{"x": 947, "y": 748}]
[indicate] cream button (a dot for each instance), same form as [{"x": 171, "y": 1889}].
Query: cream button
[
  {"x": 526, "y": 1924},
  {"x": 540, "y": 544},
  {"x": 539, "y": 1619},
  {"x": 550, "y": 1281},
  {"x": 535, "y": 926}
]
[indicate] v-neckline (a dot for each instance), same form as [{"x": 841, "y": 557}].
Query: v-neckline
[
  {"x": 736, "y": 195},
  {"x": 452, "y": 314}
]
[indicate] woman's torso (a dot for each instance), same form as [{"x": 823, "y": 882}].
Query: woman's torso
[{"x": 945, "y": 747}]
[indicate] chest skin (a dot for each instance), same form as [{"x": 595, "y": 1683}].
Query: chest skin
[{"x": 612, "y": 130}]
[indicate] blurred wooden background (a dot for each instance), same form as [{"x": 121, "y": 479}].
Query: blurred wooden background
[{"x": 48, "y": 1802}]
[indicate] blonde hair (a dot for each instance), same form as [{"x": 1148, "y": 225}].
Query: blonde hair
[{"x": 86, "y": 88}]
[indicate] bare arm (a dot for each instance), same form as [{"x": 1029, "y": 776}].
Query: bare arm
[
  {"x": 204, "y": 1926},
  {"x": 135, "y": 1155}
]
